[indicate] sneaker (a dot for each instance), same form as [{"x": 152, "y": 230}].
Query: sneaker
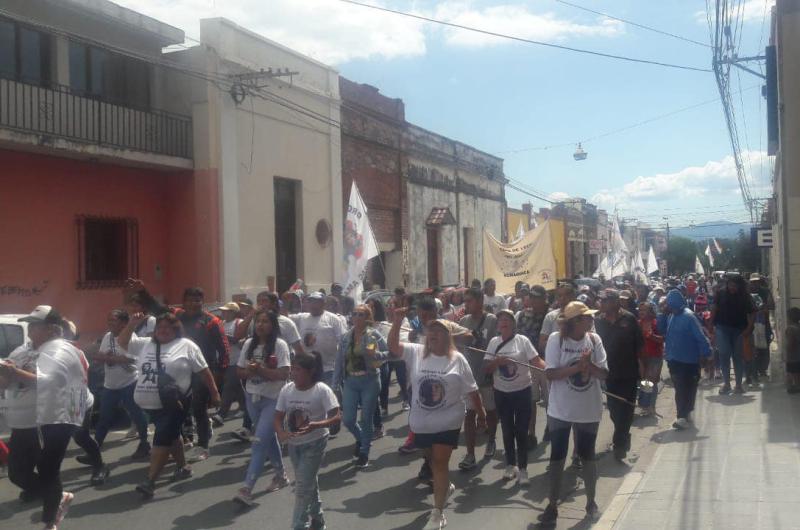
[
  {"x": 182, "y": 473},
  {"x": 217, "y": 421},
  {"x": 142, "y": 451},
  {"x": 725, "y": 390},
  {"x": 450, "y": 490},
  {"x": 279, "y": 481},
  {"x": 99, "y": 475},
  {"x": 738, "y": 390},
  {"x": 592, "y": 511},
  {"x": 243, "y": 435},
  {"x": 577, "y": 463},
  {"x": 147, "y": 489},
  {"x": 491, "y": 449},
  {"x": 680, "y": 424},
  {"x": 425, "y": 472},
  {"x": 63, "y": 508},
  {"x": 549, "y": 515},
  {"x": 244, "y": 497},
  {"x": 378, "y": 433},
  {"x": 619, "y": 454},
  {"x": 318, "y": 523},
  {"x": 187, "y": 444},
  {"x": 406, "y": 406},
  {"x": 132, "y": 433},
  {"x": 408, "y": 448},
  {"x": 522, "y": 478},
  {"x": 533, "y": 442},
  {"x": 467, "y": 463},
  {"x": 357, "y": 450},
  {"x": 510, "y": 473},
  {"x": 362, "y": 462},
  {"x": 197, "y": 454},
  {"x": 436, "y": 521},
  {"x": 86, "y": 460}
]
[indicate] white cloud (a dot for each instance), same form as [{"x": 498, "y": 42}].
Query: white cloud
[
  {"x": 335, "y": 32},
  {"x": 558, "y": 196},
  {"x": 750, "y": 11},
  {"x": 714, "y": 178}
]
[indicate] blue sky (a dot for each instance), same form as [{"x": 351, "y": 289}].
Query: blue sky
[{"x": 503, "y": 96}]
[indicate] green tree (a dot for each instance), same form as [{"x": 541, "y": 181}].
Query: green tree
[{"x": 680, "y": 255}]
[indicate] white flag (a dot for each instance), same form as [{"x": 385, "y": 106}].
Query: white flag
[
  {"x": 520, "y": 232},
  {"x": 698, "y": 267},
  {"x": 718, "y": 246},
  {"x": 710, "y": 255},
  {"x": 652, "y": 262},
  {"x": 359, "y": 245}
]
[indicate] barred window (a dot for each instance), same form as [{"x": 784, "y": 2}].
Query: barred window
[{"x": 108, "y": 251}]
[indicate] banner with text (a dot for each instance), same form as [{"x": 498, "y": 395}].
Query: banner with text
[{"x": 529, "y": 260}]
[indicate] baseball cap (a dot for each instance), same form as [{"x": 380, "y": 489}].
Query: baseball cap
[
  {"x": 230, "y": 306},
  {"x": 576, "y": 309},
  {"x": 609, "y": 294},
  {"x": 755, "y": 277},
  {"x": 316, "y": 295},
  {"x": 43, "y": 313}
]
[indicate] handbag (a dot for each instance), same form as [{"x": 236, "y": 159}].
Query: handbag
[{"x": 169, "y": 392}]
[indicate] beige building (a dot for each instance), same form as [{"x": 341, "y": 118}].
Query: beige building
[
  {"x": 783, "y": 100},
  {"x": 269, "y": 130}
]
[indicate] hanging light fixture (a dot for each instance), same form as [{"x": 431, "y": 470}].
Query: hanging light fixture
[{"x": 580, "y": 154}]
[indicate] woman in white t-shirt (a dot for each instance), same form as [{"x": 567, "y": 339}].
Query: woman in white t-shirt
[
  {"x": 264, "y": 365},
  {"x": 440, "y": 381},
  {"x": 306, "y": 409},
  {"x": 576, "y": 364},
  {"x": 178, "y": 358},
  {"x": 507, "y": 356}
]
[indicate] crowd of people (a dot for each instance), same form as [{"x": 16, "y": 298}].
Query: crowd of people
[{"x": 301, "y": 364}]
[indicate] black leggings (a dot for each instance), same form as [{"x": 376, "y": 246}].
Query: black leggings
[
  {"x": 23, "y": 455},
  {"x": 56, "y": 440},
  {"x": 514, "y": 410}
]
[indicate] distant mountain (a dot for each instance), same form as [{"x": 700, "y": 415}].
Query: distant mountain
[{"x": 710, "y": 229}]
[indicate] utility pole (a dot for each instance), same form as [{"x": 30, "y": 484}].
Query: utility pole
[{"x": 666, "y": 270}]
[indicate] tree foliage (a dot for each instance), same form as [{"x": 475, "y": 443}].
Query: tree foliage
[{"x": 737, "y": 254}]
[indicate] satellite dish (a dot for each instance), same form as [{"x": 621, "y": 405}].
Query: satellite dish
[{"x": 580, "y": 154}]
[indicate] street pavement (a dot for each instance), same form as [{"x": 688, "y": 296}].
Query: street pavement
[
  {"x": 739, "y": 467},
  {"x": 388, "y": 495}
]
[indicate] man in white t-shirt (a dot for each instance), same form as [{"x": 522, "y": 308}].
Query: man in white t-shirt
[
  {"x": 491, "y": 300},
  {"x": 320, "y": 331}
]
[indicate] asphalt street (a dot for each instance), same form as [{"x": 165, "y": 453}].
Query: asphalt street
[{"x": 385, "y": 495}]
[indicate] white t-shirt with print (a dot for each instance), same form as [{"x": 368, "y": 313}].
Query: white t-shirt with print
[
  {"x": 304, "y": 406},
  {"x": 326, "y": 330},
  {"x": 62, "y": 394},
  {"x": 287, "y": 326},
  {"x": 496, "y": 302},
  {"x": 119, "y": 375},
  {"x": 512, "y": 377},
  {"x": 19, "y": 399},
  {"x": 575, "y": 398},
  {"x": 257, "y": 385},
  {"x": 180, "y": 358},
  {"x": 147, "y": 328},
  {"x": 439, "y": 385}
]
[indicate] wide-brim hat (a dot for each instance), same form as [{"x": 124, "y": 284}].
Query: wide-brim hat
[{"x": 576, "y": 309}]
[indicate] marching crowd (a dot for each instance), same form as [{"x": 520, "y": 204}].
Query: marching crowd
[{"x": 299, "y": 365}]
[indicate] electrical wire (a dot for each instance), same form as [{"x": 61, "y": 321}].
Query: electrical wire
[
  {"x": 635, "y": 24},
  {"x": 527, "y": 41}
]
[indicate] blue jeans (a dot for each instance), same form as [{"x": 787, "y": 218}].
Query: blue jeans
[
  {"x": 108, "y": 406},
  {"x": 730, "y": 344},
  {"x": 266, "y": 443},
  {"x": 306, "y": 459},
  {"x": 360, "y": 390}
]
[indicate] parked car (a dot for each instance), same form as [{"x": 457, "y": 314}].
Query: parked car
[{"x": 12, "y": 334}]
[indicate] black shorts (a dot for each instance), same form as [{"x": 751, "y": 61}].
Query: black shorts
[
  {"x": 426, "y": 440},
  {"x": 793, "y": 367},
  {"x": 168, "y": 425}
]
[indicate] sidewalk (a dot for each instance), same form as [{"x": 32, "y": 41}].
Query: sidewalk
[{"x": 739, "y": 467}]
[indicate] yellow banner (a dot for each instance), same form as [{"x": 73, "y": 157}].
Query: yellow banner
[{"x": 529, "y": 260}]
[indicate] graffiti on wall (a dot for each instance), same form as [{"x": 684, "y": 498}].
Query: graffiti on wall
[{"x": 24, "y": 292}]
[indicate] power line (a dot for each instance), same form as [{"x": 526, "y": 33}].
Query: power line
[
  {"x": 528, "y": 41},
  {"x": 636, "y": 24}
]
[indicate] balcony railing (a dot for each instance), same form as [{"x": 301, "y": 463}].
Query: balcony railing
[{"x": 57, "y": 111}]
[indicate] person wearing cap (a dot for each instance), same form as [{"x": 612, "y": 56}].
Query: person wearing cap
[
  {"x": 529, "y": 323},
  {"x": 508, "y": 358},
  {"x": 576, "y": 364},
  {"x": 623, "y": 342},
  {"x": 686, "y": 348},
  {"x": 320, "y": 330},
  {"x": 232, "y": 391},
  {"x": 119, "y": 384},
  {"x": 441, "y": 380},
  {"x": 166, "y": 352},
  {"x": 357, "y": 375},
  {"x": 62, "y": 400},
  {"x": 483, "y": 328}
]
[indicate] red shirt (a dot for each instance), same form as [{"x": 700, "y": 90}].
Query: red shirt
[{"x": 653, "y": 342}]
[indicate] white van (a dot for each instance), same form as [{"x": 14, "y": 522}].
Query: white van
[{"x": 12, "y": 334}]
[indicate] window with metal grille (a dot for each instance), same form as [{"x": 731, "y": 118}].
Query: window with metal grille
[{"x": 108, "y": 251}]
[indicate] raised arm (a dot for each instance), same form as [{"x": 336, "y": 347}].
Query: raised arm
[
  {"x": 393, "y": 340},
  {"x": 124, "y": 337}
]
